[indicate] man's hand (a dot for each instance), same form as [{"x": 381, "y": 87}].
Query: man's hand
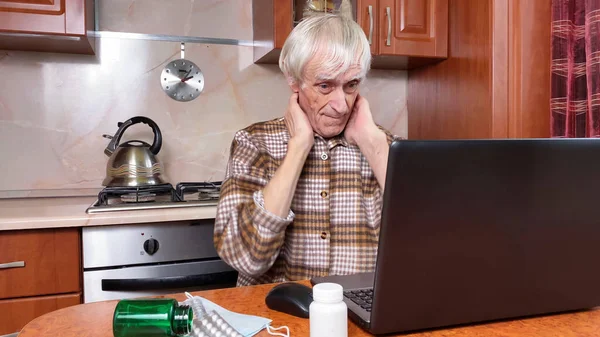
[
  {"x": 361, "y": 130},
  {"x": 279, "y": 192},
  {"x": 361, "y": 124},
  {"x": 299, "y": 127}
]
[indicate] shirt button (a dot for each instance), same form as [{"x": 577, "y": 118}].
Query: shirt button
[
  {"x": 323, "y": 235},
  {"x": 324, "y": 156},
  {"x": 324, "y": 194}
]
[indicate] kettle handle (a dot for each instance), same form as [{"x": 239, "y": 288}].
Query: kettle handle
[{"x": 156, "y": 143}]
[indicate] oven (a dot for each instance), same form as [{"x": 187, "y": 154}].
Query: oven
[{"x": 139, "y": 260}]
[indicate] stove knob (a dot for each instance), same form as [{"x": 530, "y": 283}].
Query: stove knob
[{"x": 151, "y": 246}]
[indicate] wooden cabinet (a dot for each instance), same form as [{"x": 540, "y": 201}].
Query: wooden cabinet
[
  {"x": 366, "y": 16},
  {"x": 496, "y": 80},
  {"x": 47, "y": 25},
  {"x": 403, "y": 34},
  {"x": 16, "y": 313},
  {"x": 40, "y": 271},
  {"x": 407, "y": 33},
  {"x": 272, "y": 23}
]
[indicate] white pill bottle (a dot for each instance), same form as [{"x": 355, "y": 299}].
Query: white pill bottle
[{"x": 328, "y": 314}]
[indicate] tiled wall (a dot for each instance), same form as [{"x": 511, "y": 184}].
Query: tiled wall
[{"x": 54, "y": 108}]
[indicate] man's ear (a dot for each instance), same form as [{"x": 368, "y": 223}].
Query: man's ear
[{"x": 293, "y": 84}]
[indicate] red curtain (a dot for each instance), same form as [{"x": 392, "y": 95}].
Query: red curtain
[{"x": 575, "y": 81}]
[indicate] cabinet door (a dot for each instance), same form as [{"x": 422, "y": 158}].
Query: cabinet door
[
  {"x": 413, "y": 27},
  {"x": 16, "y": 313},
  {"x": 366, "y": 16},
  {"x": 39, "y": 262},
  {"x": 43, "y": 16},
  {"x": 59, "y": 26}
]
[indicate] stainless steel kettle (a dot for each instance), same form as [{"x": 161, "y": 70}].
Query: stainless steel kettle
[{"x": 134, "y": 163}]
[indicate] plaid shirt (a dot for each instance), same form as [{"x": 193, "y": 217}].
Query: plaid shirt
[{"x": 332, "y": 227}]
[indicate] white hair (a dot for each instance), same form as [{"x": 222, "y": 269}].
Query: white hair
[{"x": 340, "y": 40}]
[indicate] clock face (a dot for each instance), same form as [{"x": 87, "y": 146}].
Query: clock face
[{"x": 182, "y": 80}]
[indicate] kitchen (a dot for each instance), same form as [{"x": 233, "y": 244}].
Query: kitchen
[
  {"x": 52, "y": 183},
  {"x": 59, "y": 110}
]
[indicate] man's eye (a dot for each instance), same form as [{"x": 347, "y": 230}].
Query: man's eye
[
  {"x": 352, "y": 86},
  {"x": 325, "y": 88}
]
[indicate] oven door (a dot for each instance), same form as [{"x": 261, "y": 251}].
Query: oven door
[{"x": 131, "y": 282}]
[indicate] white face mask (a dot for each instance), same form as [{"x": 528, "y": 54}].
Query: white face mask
[{"x": 212, "y": 320}]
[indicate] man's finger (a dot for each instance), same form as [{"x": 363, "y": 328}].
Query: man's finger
[{"x": 294, "y": 98}]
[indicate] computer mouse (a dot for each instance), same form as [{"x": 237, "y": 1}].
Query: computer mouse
[{"x": 290, "y": 298}]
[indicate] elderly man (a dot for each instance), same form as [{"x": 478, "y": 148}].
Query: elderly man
[{"x": 302, "y": 195}]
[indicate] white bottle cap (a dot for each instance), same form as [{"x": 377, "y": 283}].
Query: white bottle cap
[{"x": 328, "y": 293}]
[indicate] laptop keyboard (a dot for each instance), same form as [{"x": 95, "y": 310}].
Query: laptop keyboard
[{"x": 362, "y": 297}]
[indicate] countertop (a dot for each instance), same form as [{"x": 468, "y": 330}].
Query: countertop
[
  {"x": 95, "y": 319},
  {"x": 38, "y": 213}
]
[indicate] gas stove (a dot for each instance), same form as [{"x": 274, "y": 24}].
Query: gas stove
[{"x": 185, "y": 194}]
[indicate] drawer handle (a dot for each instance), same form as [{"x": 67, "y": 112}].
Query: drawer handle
[
  {"x": 370, "y": 24},
  {"x": 17, "y": 264},
  {"x": 388, "y": 41}
]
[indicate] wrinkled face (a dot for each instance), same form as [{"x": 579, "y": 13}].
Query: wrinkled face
[{"x": 327, "y": 98}]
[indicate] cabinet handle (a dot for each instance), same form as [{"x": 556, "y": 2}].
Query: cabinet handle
[
  {"x": 370, "y": 24},
  {"x": 388, "y": 41},
  {"x": 17, "y": 264}
]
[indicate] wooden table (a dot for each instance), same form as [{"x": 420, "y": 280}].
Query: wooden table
[{"x": 95, "y": 320}]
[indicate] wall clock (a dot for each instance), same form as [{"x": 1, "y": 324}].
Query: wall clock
[{"x": 181, "y": 79}]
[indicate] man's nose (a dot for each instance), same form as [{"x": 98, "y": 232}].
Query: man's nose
[{"x": 338, "y": 101}]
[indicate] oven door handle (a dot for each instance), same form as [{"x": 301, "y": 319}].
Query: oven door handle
[{"x": 172, "y": 282}]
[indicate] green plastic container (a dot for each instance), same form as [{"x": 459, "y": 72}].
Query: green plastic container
[{"x": 152, "y": 318}]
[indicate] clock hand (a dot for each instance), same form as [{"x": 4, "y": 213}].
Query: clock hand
[{"x": 187, "y": 78}]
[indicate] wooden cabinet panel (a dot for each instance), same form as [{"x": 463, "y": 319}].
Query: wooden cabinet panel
[
  {"x": 452, "y": 99},
  {"x": 16, "y": 313},
  {"x": 47, "y": 25},
  {"x": 52, "y": 262},
  {"x": 490, "y": 86},
  {"x": 412, "y": 18},
  {"x": 272, "y": 23},
  {"x": 34, "y": 16},
  {"x": 366, "y": 16},
  {"x": 415, "y": 33},
  {"x": 17, "y": 22},
  {"x": 414, "y": 27},
  {"x": 54, "y": 7},
  {"x": 528, "y": 64}
]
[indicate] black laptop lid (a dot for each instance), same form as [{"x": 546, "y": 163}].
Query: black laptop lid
[{"x": 478, "y": 230}]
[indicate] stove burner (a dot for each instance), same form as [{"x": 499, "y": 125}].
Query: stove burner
[
  {"x": 206, "y": 190},
  {"x": 157, "y": 196},
  {"x": 126, "y": 194},
  {"x": 138, "y": 197}
]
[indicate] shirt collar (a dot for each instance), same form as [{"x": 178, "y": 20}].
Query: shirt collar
[{"x": 335, "y": 141}]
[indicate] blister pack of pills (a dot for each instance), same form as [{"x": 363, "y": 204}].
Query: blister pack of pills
[{"x": 213, "y": 325}]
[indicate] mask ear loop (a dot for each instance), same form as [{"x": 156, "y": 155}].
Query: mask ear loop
[
  {"x": 197, "y": 306},
  {"x": 287, "y": 334}
]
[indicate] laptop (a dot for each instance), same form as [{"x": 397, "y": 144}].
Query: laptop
[{"x": 481, "y": 230}]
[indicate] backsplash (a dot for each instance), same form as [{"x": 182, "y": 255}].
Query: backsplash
[{"x": 54, "y": 108}]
